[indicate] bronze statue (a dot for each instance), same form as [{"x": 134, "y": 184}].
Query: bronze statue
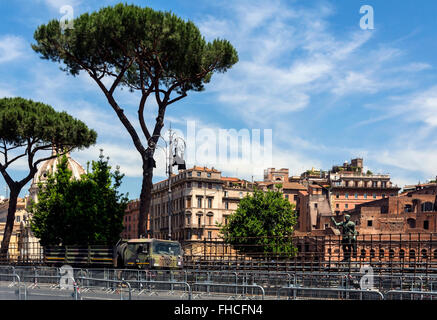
[{"x": 349, "y": 241}]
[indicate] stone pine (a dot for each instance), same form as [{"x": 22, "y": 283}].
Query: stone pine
[
  {"x": 155, "y": 53},
  {"x": 26, "y": 129}
]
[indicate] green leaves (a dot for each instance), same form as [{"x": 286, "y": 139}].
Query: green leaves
[
  {"x": 22, "y": 120},
  {"x": 80, "y": 212},
  {"x": 262, "y": 225},
  {"x": 159, "y": 46}
]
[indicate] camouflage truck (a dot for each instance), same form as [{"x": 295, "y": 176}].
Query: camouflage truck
[
  {"x": 149, "y": 254},
  {"x": 134, "y": 253}
]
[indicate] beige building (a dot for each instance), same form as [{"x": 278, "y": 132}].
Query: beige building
[{"x": 201, "y": 200}]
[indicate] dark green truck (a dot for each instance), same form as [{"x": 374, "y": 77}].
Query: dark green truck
[{"x": 134, "y": 253}]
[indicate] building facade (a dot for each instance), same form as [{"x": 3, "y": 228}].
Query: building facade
[
  {"x": 350, "y": 186},
  {"x": 201, "y": 201}
]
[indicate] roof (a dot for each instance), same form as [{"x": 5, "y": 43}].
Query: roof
[
  {"x": 315, "y": 186},
  {"x": 293, "y": 185},
  {"x": 230, "y": 179},
  {"x": 205, "y": 169}
]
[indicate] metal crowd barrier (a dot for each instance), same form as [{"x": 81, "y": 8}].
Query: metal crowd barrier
[
  {"x": 334, "y": 290},
  {"x": 16, "y": 276},
  {"x": 412, "y": 294}
]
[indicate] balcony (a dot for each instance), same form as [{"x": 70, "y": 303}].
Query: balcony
[{"x": 195, "y": 226}]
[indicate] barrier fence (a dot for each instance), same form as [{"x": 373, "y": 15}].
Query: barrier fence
[
  {"x": 390, "y": 253},
  {"x": 79, "y": 284},
  {"x": 403, "y": 253}
]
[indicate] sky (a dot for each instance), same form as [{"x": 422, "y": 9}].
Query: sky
[{"x": 317, "y": 86}]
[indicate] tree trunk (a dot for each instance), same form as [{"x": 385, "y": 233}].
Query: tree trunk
[
  {"x": 9, "y": 222},
  {"x": 145, "y": 198}
]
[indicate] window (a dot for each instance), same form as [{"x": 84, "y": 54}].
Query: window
[
  {"x": 189, "y": 173},
  {"x": 374, "y": 196},
  {"x": 18, "y": 218},
  {"x": 286, "y": 196},
  {"x": 370, "y": 223},
  {"x": 346, "y": 195},
  {"x": 225, "y": 219},
  {"x": 198, "y": 173},
  {"x": 427, "y": 206},
  {"x": 346, "y": 206},
  {"x": 424, "y": 254},
  {"x": 226, "y": 205},
  {"x": 411, "y": 223},
  {"x": 226, "y": 193},
  {"x": 337, "y": 195},
  {"x": 188, "y": 219},
  {"x": 188, "y": 184},
  {"x": 383, "y": 184},
  {"x": 199, "y": 202},
  {"x": 391, "y": 254},
  {"x": 209, "y": 234},
  {"x": 337, "y": 205},
  {"x": 426, "y": 224},
  {"x": 241, "y": 194},
  {"x": 402, "y": 254},
  {"x": 356, "y": 195},
  {"x": 315, "y": 206},
  {"x": 326, "y": 226},
  {"x": 209, "y": 202},
  {"x": 295, "y": 197},
  {"x": 209, "y": 174},
  {"x": 188, "y": 202},
  {"x": 199, "y": 184},
  {"x": 199, "y": 220},
  {"x": 383, "y": 195},
  {"x": 374, "y": 184},
  {"x": 210, "y": 220},
  {"x": 365, "y": 196},
  {"x": 209, "y": 185}
]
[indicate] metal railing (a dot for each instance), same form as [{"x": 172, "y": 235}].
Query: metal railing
[{"x": 321, "y": 293}]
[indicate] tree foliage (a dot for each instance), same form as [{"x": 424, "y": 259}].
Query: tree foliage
[
  {"x": 80, "y": 212},
  {"x": 27, "y": 127},
  {"x": 262, "y": 224},
  {"x": 153, "y": 52}
]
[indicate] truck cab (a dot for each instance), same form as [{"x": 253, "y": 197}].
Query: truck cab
[{"x": 149, "y": 254}]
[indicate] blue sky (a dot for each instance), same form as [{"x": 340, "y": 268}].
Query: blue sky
[{"x": 327, "y": 89}]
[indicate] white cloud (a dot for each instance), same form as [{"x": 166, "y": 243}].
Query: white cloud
[
  {"x": 58, "y": 4},
  {"x": 11, "y": 48}
]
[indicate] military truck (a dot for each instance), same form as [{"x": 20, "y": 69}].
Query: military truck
[{"x": 134, "y": 253}]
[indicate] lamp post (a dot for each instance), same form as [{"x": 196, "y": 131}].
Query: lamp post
[{"x": 174, "y": 157}]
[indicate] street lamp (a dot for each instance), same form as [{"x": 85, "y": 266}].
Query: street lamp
[{"x": 174, "y": 157}]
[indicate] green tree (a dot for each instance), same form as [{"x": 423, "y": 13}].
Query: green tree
[
  {"x": 262, "y": 224},
  {"x": 152, "y": 52},
  {"x": 80, "y": 212},
  {"x": 27, "y": 127}
]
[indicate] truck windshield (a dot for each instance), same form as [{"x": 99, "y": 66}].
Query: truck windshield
[{"x": 173, "y": 249}]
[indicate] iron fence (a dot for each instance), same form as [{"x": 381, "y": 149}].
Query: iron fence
[{"x": 385, "y": 253}]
